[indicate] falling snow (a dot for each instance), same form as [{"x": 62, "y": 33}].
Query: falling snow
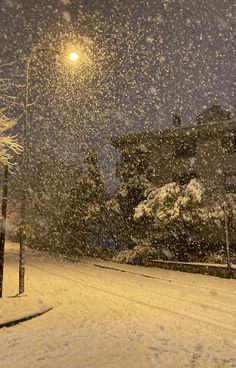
[{"x": 118, "y": 141}]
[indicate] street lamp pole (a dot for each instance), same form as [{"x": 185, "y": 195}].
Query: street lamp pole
[
  {"x": 25, "y": 168},
  {"x": 73, "y": 56}
]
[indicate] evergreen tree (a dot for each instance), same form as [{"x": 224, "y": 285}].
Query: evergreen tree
[
  {"x": 121, "y": 209},
  {"x": 49, "y": 184},
  {"x": 84, "y": 220}
]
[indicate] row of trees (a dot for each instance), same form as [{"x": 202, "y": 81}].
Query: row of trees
[{"x": 69, "y": 210}]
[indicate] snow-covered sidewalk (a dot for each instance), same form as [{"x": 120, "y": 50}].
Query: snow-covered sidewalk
[
  {"x": 13, "y": 307},
  {"x": 17, "y": 309},
  {"x": 105, "y": 318}
]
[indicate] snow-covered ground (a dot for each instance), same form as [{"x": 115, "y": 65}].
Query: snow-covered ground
[{"x": 105, "y": 318}]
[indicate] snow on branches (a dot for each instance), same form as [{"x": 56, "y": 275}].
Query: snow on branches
[
  {"x": 179, "y": 210},
  {"x": 171, "y": 202},
  {"x": 7, "y": 143}
]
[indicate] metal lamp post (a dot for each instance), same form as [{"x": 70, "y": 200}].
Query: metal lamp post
[
  {"x": 25, "y": 168},
  {"x": 73, "y": 56}
]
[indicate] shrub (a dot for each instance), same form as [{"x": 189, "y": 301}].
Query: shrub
[{"x": 137, "y": 256}]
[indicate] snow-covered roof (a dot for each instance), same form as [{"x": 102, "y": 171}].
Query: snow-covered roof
[{"x": 210, "y": 128}]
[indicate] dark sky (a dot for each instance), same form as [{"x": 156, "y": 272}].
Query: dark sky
[{"x": 152, "y": 58}]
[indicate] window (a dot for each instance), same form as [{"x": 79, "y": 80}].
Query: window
[
  {"x": 186, "y": 148},
  {"x": 230, "y": 183}
]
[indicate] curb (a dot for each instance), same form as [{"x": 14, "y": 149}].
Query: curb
[
  {"x": 217, "y": 270},
  {"x": 23, "y": 319}
]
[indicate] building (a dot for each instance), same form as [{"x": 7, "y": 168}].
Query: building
[{"x": 206, "y": 150}]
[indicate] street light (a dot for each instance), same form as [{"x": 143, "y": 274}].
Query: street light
[{"x": 73, "y": 57}]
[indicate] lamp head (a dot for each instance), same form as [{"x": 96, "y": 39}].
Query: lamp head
[{"x": 73, "y": 56}]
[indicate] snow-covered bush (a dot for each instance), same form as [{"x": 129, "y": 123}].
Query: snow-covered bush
[
  {"x": 137, "y": 256},
  {"x": 101, "y": 252},
  {"x": 216, "y": 258},
  {"x": 172, "y": 202},
  {"x": 179, "y": 213}
]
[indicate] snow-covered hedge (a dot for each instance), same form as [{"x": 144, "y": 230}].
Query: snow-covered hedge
[{"x": 136, "y": 256}]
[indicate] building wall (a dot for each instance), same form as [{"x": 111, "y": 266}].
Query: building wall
[{"x": 157, "y": 157}]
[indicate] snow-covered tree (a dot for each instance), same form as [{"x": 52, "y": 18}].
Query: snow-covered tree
[
  {"x": 121, "y": 208},
  {"x": 8, "y": 143},
  {"x": 177, "y": 213},
  {"x": 84, "y": 220},
  {"x": 49, "y": 186},
  {"x": 172, "y": 202}
]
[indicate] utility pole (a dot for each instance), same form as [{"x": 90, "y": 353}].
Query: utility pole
[{"x": 2, "y": 229}]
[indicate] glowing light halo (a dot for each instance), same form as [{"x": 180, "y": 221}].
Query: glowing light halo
[{"x": 74, "y": 56}]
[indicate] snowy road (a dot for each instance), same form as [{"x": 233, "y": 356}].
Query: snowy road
[{"x": 104, "y": 318}]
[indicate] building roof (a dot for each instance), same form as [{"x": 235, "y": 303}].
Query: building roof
[{"x": 214, "y": 121}]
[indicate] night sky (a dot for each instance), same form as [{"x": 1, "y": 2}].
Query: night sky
[{"x": 150, "y": 59}]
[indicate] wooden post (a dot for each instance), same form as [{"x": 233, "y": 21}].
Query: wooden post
[{"x": 2, "y": 229}]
